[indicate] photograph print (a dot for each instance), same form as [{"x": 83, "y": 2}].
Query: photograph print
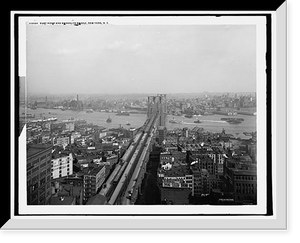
[{"x": 144, "y": 110}]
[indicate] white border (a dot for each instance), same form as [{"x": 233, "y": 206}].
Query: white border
[{"x": 192, "y": 222}]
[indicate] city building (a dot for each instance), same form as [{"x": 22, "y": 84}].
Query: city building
[
  {"x": 175, "y": 183},
  {"x": 38, "y": 174},
  {"x": 162, "y": 133},
  {"x": 62, "y": 141},
  {"x": 172, "y": 157},
  {"x": 92, "y": 181},
  {"x": 65, "y": 200},
  {"x": 98, "y": 199},
  {"x": 61, "y": 164},
  {"x": 241, "y": 180},
  {"x": 203, "y": 182}
]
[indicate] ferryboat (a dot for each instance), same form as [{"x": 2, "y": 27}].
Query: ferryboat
[
  {"x": 89, "y": 111},
  {"x": 234, "y": 121},
  {"x": 197, "y": 121},
  {"x": 188, "y": 116},
  {"x": 174, "y": 121},
  {"x": 108, "y": 120},
  {"x": 123, "y": 113},
  {"x": 229, "y": 118}
]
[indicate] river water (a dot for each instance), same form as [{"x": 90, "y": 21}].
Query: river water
[{"x": 209, "y": 123}]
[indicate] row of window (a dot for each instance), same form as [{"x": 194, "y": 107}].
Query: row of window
[
  {"x": 39, "y": 159},
  {"x": 247, "y": 178},
  {"x": 244, "y": 185},
  {"x": 59, "y": 168},
  {"x": 245, "y": 191}
]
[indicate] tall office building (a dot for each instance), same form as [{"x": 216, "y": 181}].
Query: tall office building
[{"x": 39, "y": 174}]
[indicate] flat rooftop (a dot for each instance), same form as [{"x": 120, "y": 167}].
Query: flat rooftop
[{"x": 33, "y": 150}]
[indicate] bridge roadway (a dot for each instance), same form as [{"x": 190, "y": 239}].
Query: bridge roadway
[
  {"x": 131, "y": 192},
  {"x": 124, "y": 181}
]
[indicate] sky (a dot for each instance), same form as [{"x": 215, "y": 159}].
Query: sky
[{"x": 119, "y": 59}]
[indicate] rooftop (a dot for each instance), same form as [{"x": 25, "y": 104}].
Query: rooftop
[
  {"x": 95, "y": 171},
  {"x": 35, "y": 149},
  {"x": 176, "y": 170},
  {"x": 61, "y": 200},
  {"x": 98, "y": 199}
]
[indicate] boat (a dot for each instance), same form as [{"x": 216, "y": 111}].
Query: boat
[
  {"x": 188, "y": 116},
  {"x": 197, "y": 121},
  {"x": 234, "y": 121},
  {"x": 128, "y": 124},
  {"x": 108, "y": 120},
  {"x": 123, "y": 113},
  {"x": 89, "y": 111},
  {"x": 174, "y": 121}
]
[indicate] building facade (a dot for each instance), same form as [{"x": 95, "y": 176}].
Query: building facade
[
  {"x": 62, "y": 165},
  {"x": 38, "y": 174},
  {"x": 92, "y": 181},
  {"x": 241, "y": 180},
  {"x": 162, "y": 134}
]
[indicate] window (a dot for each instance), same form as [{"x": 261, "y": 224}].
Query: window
[
  {"x": 35, "y": 161},
  {"x": 35, "y": 169}
]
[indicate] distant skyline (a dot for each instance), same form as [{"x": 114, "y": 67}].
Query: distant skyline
[{"x": 108, "y": 59}]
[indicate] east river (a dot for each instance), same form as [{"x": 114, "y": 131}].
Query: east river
[{"x": 208, "y": 123}]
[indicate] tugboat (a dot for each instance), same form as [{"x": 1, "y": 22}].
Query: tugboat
[
  {"x": 234, "y": 121},
  {"x": 188, "y": 116},
  {"x": 89, "y": 111},
  {"x": 123, "y": 113},
  {"x": 108, "y": 120},
  {"x": 173, "y": 121},
  {"x": 197, "y": 121}
]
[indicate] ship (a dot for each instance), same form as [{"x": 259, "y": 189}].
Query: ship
[
  {"x": 108, "y": 120},
  {"x": 224, "y": 118},
  {"x": 174, "y": 121},
  {"x": 197, "y": 121},
  {"x": 123, "y": 113},
  {"x": 234, "y": 121},
  {"x": 188, "y": 116},
  {"x": 89, "y": 111}
]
